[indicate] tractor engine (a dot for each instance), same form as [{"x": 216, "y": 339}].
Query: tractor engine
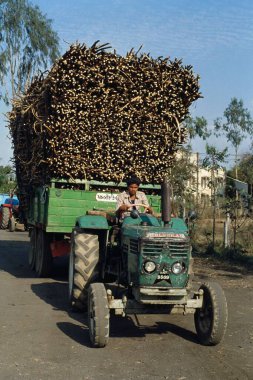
[{"x": 156, "y": 256}]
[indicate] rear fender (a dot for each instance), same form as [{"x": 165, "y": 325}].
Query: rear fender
[
  {"x": 94, "y": 222},
  {"x": 6, "y": 205}
]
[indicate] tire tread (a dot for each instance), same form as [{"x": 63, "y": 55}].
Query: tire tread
[
  {"x": 220, "y": 315},
  {"x": 85, "y": 249}
]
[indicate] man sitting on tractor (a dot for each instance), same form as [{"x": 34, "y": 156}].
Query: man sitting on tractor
[
  {"x": 12, "y": 201},
  {"x": 132, "y": 199}
]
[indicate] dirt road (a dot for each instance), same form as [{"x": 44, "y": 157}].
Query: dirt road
[{"x": 40, "y": 339}]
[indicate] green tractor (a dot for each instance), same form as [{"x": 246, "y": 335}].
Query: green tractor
[{"x": 140, "y": 266}]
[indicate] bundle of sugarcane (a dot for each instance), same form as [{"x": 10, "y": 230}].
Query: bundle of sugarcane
[{"x": 98, "y": 115}]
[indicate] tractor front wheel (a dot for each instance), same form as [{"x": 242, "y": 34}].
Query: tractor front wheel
[
  {"x": 83, "y": 267},
  {"x": 211, "y": 319},
  {"x": 98, "y": 315}
]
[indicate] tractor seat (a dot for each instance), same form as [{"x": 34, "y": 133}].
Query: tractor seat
[{"x": 110, "y": 217}]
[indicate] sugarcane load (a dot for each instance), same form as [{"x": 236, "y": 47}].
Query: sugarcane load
[{"x": 100, "y": 116}]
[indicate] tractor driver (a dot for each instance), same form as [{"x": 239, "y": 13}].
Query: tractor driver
[{"x": 132, "y": 199}]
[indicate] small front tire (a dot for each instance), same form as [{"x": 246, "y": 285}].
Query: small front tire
[
  {"x": 211, "y": 319},
  {"x": 98, "y": 315},
  {"x": 12, "y": 224}
]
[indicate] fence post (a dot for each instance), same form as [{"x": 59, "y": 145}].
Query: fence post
[{"x": 227, "y": 231}]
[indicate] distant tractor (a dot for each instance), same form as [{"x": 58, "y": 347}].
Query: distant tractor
[
  {"x": 9, "y": 213},
  {"x": 141, "y": 265}
]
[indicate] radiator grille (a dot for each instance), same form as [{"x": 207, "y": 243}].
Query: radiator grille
[
  {"x": 174, "y": 248},
  {"x": 133, "y": 246},
  {"x": 125, "y": 249}
]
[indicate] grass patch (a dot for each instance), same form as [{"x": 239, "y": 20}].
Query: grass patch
[{"x": 234, "y": 255}]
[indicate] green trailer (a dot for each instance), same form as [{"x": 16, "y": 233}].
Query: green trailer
[{"x": 54, "y": 210}]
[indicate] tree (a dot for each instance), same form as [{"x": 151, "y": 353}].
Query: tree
[
  {"x": 197, "y": 127},
  {"x": 238, "y": 123},
  {"x": 238, "y": 211},
  {"x": 245, "y": 168},
  {"x": 244, "y": 173},
  {"x": 27, "y": 44},
  {"x": 6, "y": 172},
  {"x": 239, "y": 202},
  {"x": 181, "y": 174},
  {"x": 213, "y": 161}
]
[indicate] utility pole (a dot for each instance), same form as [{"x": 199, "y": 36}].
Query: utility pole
[
  {"x": 227, "y": 231},
  {"x": 197, "y": 163}
]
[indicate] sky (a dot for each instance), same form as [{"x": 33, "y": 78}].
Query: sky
[{"x": 214, "y": 36}]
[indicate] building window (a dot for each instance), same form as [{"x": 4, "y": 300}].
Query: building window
[{"x": 204, "y": 182}]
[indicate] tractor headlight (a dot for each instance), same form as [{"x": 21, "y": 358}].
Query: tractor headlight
[
  {"x": 149, "y": 266},
  {"x": 177, "y": 268}
]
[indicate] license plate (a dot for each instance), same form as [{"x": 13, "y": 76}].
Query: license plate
[{"x": 163, "y": 277}]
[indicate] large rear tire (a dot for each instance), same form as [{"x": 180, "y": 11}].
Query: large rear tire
[
  {"x": 4, "y": 218},
  {"x": 98, "y": 315},
  {"x": 83, "y": 267},
  {"x": 44, "y": 260},
  {"x": 211, "y": 319},
  {"x": 32, "y": 248}
]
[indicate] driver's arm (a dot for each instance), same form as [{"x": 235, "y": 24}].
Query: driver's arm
[
  {"x": 144, "y": 201},
  {"x": 121, "y": 206}
]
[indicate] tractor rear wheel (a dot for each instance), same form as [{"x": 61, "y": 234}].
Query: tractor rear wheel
[
  {"x": 98, "y": 315},
  {"x": 211, "y": 319},
  {"x": 44, "y": 260},
  {"x": 32, "y": 248},
  {"x": 5, "y": 216},
  {"x": 83, "y": 267},
  {"x": 12, "y": 224}
]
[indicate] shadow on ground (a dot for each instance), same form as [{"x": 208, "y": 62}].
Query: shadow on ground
[
  {"x": 56, "y": 294},
  {"x": 125, "y": 327}
]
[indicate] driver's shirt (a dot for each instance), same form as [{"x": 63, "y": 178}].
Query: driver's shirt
[{"x": 124, "y": 199}]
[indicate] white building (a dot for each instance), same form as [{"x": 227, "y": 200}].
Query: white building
[{"x": 201, "y": 183}]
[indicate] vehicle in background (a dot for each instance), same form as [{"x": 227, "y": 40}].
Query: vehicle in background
[{"x": 9, "y": 211}]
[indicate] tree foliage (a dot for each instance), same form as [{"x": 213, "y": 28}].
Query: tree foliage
[
  {"x": 5, "y": 172},
  {"x": 237, "y": 125},
  {"x": 213, "y": 161},
  {"x": 181, "y": 175},
  {"x": 182, "y": 172},
  {"x": 27, "y": 43},
  {"x": 244, "y": 173},
  {"x": 245, "y": 168},
  {"x": 214, "y": 157},
  {"x": 197, "y": 127}
]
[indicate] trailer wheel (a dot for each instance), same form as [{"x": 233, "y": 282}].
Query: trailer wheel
[
  {"x": 44, "y": 260},
  {"x": 98, "y": 315},
  {"x": 83, "y": 267},
  {"x": 12, "y": 224},
  {"x": 5, "y": 216},
  {"x": 32, "y": 248},
  {"x": 211, "y": 319}
]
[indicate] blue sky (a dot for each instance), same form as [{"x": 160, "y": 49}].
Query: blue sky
[{"x": 215, "y": 37}]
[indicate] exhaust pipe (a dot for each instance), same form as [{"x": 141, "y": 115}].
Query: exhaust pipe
[{"x": 165, "y": 202}]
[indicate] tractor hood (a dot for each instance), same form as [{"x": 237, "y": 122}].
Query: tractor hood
[{"x": 150, "y": 227}]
